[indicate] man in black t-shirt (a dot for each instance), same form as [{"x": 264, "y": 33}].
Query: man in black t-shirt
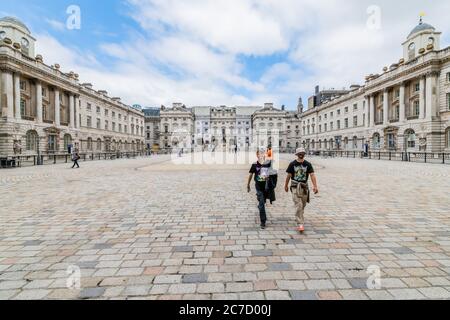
[
  {"x": 260, "y": 170},
  {"x": 299, "y": 172}
]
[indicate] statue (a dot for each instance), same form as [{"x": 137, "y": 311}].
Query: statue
[{"x": 17, "y": 147}]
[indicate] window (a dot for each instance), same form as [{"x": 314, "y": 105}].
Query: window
[
  {"x": 447, "y": 138},
  {"x": 23, "y": 106},
  {"x": 416, "y": 110},
  {"x": 412, "y": 50},
  {"x": 417, "y": 87},
  {"x": 88, "y": 106},
  {"x": 391, "y": 141},
  {"x": 67, "y": 142},
  {"x": 346, "y": 123},
  {"x": 355, "y": 107},
  {"x": 120, "y": 127},
  {"x": 339, "y": 124},
  {"x": 113, "y": 114},
  {"x": 325, "y": 127},
  {"x": 355, "y": 121},
  {"x": 331, "y": 114},
  {"x": 89, "y": 122},
  {"x": 331, "y": 126},
  {"x": 448, "y": 101},
  {"x": 89, "y": 143},
  {"x": 125, "y": 129},
  {"x": 346, "y": 109},
  {"x": 397, "y": 94},
  {"x": 106, "y": 125},
  {"x": 32, "y": 139},
  {"x": 113, "y": 126},
  {"x": 376, "y": 141},
  {"x": 98, "y": 109},
  {"x": 99, "y": 145},
  {"x": 23, "y": 85},
  {"x": 410, "y": 136},
  {"x": 44, "y": 92},
  {"x": 98, "y": 123},
  {"x": 106, "y": 112},
  {"x": 339, "y": 112},
  {"x": 120, "y": 117},
  {"x": 448, "y": 77}
]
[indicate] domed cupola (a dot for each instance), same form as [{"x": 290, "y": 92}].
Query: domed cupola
[
  {"x": 421, "y": 40},
  {"x": 15, "y": 30},
  {"x": 421, "y": 27}
]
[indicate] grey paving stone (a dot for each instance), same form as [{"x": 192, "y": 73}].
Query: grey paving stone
[
  {"x": 90, "y": 293},
  {"x": 303, "y": 295},
  {"x": 195, "y": 278}
]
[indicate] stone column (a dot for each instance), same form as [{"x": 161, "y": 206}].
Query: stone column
[
  {"x": 371, "y": 111},
  {"x": 430, "y": 97},
  {"x": 57, "y": 110},
  {"x": 17, "y": 96},
  {"x": 71, "y": 111},
  {"x": 402, "y": 103},
  {"x": 39, "y": 102},
  {"x": 422, "y": 98},
  {"x": 77, "y": 112},
  {"x": 386, "y": 107},
  {"x": 367, "y": 120},
  {"x": 7, "y": 95}
]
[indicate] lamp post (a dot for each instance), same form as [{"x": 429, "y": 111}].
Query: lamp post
[{"x": 38, "y": 161}]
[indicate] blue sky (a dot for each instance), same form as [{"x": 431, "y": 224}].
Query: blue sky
[{"x": 216, "y": 52}]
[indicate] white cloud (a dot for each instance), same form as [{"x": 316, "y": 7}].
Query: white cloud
[
  {"x": 57, "y": 25},
  {"x": 195, "y": 51}
]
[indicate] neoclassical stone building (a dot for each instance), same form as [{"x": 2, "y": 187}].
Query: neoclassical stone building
[
  {"x": 207, "y": 128},
  {"x": 44, "y": 110},
  {"x": 405, "y": 108}
]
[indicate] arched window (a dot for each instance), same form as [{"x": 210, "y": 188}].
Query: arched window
[
  {"x": 412, "y": 50},
  {"x": 376, "y": 141},
  {"x": 99, "y": 144},
  {"x": 447, "y": 138},
  {"x": 355, "y": 142},
  {"x": 89, "y": 144},
  {"x": 32, "y": 140},
  {"x": 410, "y": 139},
  {"x": 67, "y": 141}
]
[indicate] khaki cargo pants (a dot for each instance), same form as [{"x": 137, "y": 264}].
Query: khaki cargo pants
[{"x": 300, "y": 196}]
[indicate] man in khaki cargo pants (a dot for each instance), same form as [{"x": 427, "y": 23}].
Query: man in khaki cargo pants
[{"x": 298, "y": 174}]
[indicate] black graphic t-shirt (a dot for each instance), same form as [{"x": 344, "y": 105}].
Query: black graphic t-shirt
[
  {"x": 300, "y": 171},
  {"x": 261, "y": 172}
]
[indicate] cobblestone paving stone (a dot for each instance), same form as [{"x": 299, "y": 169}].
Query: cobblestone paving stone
[{"x": 150, "y": 229}]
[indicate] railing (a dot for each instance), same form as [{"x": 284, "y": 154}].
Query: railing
[
  {"x": 420, "y": 157},
  {"x": 47, "y": 159}
]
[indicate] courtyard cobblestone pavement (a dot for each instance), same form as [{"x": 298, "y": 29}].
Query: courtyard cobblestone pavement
[{"x": 149, "y": 229}]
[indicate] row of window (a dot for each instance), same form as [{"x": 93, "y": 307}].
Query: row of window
[{"x": 113, "y": 114}]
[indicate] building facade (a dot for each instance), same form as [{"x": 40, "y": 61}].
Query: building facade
[
  {"x": 210, "y": 128},
  {"x": 44, "y": 110},
  {"x": 152, "y": 129},
  {"x": 406, "y": 108}
]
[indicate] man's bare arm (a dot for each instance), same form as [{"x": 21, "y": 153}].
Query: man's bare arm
[
  {"x": 250, "y": 177},
  {"x": 314, "y": 182},
  {"x": 286, "y": 184}
]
